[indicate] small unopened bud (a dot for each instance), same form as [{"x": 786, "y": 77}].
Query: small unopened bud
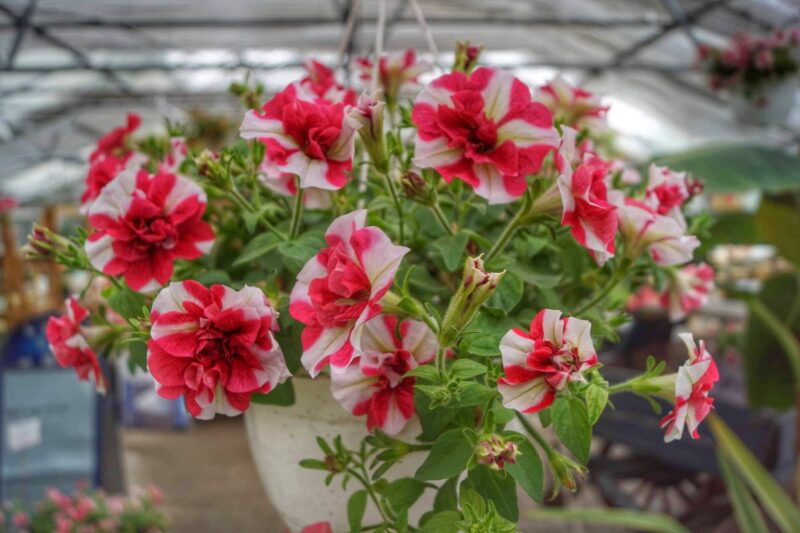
[
  {"x": 563, "y": 470},
  {"x": 369, "y": 114},
  {"x": 416, "y": 188},
  {"x": 466, "y": 56},
  {"x": 495, "y": 452},
  {"x": 476, "y": 287},
  {"x": 44, "y": 242},
  {"x": 333, "y": 464}
]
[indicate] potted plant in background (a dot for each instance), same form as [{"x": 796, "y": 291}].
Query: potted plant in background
[
  {"x": 389, "y": 296},
  {"x": 758, "y": 73}
]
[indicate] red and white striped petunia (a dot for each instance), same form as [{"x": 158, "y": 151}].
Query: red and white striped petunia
[
  {"x": 538, "y": 363},
  {"x": 214, "y": 346},
  {"x": 340, "y": 289},
  {"x": 694, "y": 382},
  {"x": 117, "y": 142},
  {"x": 591, "y": 217},
  {"x": 666, "y": 191},
  {"x": 374, "y": 385},
  {"x": 687, "y": 289},
  {"x": 643, "y": 229},
  {"x": 398, "y": 73},
  {"x": 320, "y": 85},
  {"x": 484, "y": 130},
  {"x": 67, "y": 340},
  {"x": 142, "y": 223},
  {"x": 178, "y": 151},
  {"x": 312, "y": 140},
  {"x": 573, "y": 106}
]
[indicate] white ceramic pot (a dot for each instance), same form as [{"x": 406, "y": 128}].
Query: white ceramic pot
[
  {"x": 281, "y": 436},
  {"x": 777, "y": 105}
]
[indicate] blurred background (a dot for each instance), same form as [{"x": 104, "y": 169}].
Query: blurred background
[{"x": 71, "y": 71}]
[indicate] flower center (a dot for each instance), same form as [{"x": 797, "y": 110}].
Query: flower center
[
  {"x": 342, "y": 294},
  {"x": 314, "y": 127},
  {"x": 466, "y": 125}
]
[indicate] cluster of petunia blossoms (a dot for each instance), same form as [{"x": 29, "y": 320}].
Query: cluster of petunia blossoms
[{"x": 326, "y": 243}]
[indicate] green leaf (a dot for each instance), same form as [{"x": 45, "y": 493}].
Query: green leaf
[
  {"x": 210, "y": 277},
  {"x": 769, "y": 377},
  {"x": 540, "y": 278},
  {"x": 508, "y": 293},
  {"x": 426, "y": 372},
  {"x": 282, "y": 395},
  {"x": 447, "y": 458},
  {"x": 296, "y": 253},
  {"x": 571, "y": 421},
  {"x": 313, "y": 464},
  {"x": 528, "y": 470},
  {"x": 446, "y": 497},
  {"x": 497, "y": 487},
  {"x": 545, "y": 418},
  {"x": 772, "y": 220},
  {"x": 451, "y": 248},
  {"x": 596, "y": 400},
  {"x": 257, "y": 247},
  {"x": 482, "y": 335},
  {"x": 402, "y": 493},
  {"x": 624, "y": 518},
  {"x": 444, "y": 522},
  {"x": 356, "y": 505},
  {"x": 138, "y": 355},
  {"x": 474, "y": 394},
  {"x": 466, "y": 368},
  {"x": 747, "y": 513},
  {"x": 775, "y": 501},
  {"x": 127, "y": 303}
]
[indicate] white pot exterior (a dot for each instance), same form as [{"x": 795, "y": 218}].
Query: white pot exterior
[
  {"x": 281, "y": 436},
  {"x": 780, "y": 98}
]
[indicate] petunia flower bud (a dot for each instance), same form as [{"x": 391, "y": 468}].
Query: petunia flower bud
[
  {"x": 369, "y": 114},
  {"x": 466, "y": 56},
  {"x": 44, "y": 242},
  {"x": 563, "y": 470},
  {"x": 417, "y": 188},
  {"x": 476, "y": 287},
  {"x": 495, "y": 452}
]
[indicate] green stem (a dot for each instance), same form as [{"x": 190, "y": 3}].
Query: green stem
[
  {"x": 297, "y": 212},
  {"x": 782, "y": 333},
  {"x": 622, "y": 387},
  {"x": 508, "y": 232},
  {"x": 398, "y": 206},
  {"x": 363, "y": 478},
  {"x": 440, "y": 361},
  {"x": 440, "y": 216},
  {"x": 533, "y": 433},
  {"x": 618, "y": 276},
  {"x": 242, "y": 202}
]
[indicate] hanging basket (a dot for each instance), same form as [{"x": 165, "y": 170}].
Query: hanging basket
[{"x": 772, "y": 107}]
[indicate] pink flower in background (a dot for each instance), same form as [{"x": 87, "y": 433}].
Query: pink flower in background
[
  {"x": 542, "y": 361},
  {"x": 484, "y": 130},
  {"x": 320, "y": 85},
  {"x": 177, "y": 154},
  {"x": 142, "y": 223},
  {"x": 687, "y": 289},
  {"x": 667, "y": 191},
  {"x": 286, "y": 185},
  {"x": 693, "y": 384},
  {"x": 215, "y": 347},
  {"x": 572, "y": 106},
  {"x": 319, "y": 527},
  {"x": 374, "y": 385},
  {"x": 340, "y": 289},
  {"x": 116, "y": 143},
  {"x": 587, "y": 211},
  {"x": 643, "y": 229},
  {"x": 21, "y": 519},
  {"x": 7, "y": 203},
  {"x": 67, "y": 340},
  {"x": 397, "y": 73},
  {"x": 314, "y": 141}
]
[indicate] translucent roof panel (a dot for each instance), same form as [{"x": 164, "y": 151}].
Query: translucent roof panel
[{"x": 73, "y": 69}]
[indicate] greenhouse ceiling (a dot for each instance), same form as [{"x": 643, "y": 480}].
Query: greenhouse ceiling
[{"x": 71, "y": 69}]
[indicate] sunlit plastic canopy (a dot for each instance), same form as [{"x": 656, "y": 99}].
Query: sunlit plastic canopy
[{"x": 71, "y": 70}]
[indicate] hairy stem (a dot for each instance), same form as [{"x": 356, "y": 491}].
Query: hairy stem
[
  {"x": 297, "y": 212},
  {"x": 533, "y": 433},
  {"x": 397, "y": 205},
  {"x": 442, "y": 218}
]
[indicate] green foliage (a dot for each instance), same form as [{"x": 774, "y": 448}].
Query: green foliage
[
  {"x": 527, "y": 470},
  {"x": 283, "y": 394},
  {"x": 571, "y": 420},
  {"x": 449, "y": 456}
]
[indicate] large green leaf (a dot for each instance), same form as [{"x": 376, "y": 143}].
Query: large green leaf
[
  {"x": 738, "y": 167},
  {"x": 356, "y": 506},
  {"x": 745, "y": 509},
  {"x": 527, "y": 470},
  {"x": 448, "y": 457},
  {"x": 768, "y": 372},
  {"x": 571, "y": 420},
  {"x": 498, "y": 487}
]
